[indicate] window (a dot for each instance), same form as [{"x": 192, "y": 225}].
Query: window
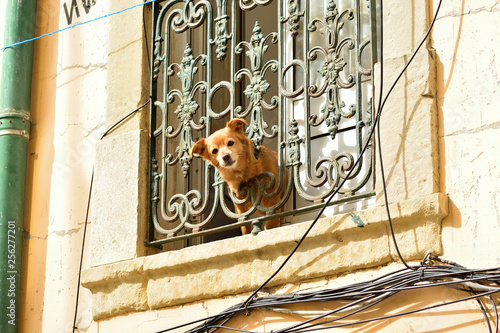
[{"x": 299, "y": 72}]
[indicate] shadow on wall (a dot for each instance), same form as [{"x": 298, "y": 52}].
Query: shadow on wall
[
  {"x": 39, "y": 169},
  {"x": 439, "y": 320},
  {"x": 454, "y": 219}
]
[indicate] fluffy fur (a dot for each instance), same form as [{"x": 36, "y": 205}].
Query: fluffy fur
[{"x": 233, "y": 154}]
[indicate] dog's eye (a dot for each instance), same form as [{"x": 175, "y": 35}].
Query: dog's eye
[
  {"x": 215, "y": 151},
  {"x": 230, "y": 143}
]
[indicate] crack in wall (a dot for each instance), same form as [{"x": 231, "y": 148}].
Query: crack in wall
[
  {"x": 493, "y": 126},
  {"x": 84, "y": 67},
  {"x": 125, "y": 46},
  {"x": 138, "y": 326},
  {"x": 458, "y": 13},
  {"x": 27, "y": 235}
]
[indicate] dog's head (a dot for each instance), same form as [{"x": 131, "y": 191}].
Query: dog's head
[{"x": 227, "y": 149}]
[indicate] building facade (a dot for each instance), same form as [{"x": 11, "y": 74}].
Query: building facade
[{"x": 438, "y": 134}]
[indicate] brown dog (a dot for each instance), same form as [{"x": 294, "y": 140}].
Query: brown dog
[{"x": 233, "y": 154}]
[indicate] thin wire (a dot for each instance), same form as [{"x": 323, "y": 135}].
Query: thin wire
[
  {"x": 379, "y": 142},
  {"x": 74, "y": 25},
  {"x": 375, "y": 125},
  {"x": 496, "y": 313},
  {"x": 483, "y": 310},
  {"x": 232, "y": 329},
  {"x": 124, "y": 118},
  {"x": 146, "y": 37},
  {"x": 402, "y": 313},
  {"x": 411, "y": 277},
  {"x": 83, "y": 249},
  {"x": 378, "y": 127},
  {"x": 295, "y": 328}
]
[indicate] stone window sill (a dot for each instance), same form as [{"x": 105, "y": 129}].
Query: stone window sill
[{"x": 337, "y": 244}]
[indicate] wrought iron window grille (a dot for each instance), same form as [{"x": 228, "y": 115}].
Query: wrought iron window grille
[{"x": 301, "y": 75}]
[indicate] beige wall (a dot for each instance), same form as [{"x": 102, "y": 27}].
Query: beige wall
[
  {"x": 68, "y": 104},
  {"x": 40, "y": 161},
  {"x": 76, "y": 95},
  {"x": 467, "y": 42}
]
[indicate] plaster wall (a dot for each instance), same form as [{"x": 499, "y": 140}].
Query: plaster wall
[
  {"x": 122, "y": 284},
  {"x": 40, "y": 161},
  {"x": 78, "y": 124},
  {"x": 467, "y": 43},
  {"x": 68, "y": 103}
]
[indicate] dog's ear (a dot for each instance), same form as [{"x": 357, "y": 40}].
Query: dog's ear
[
  {"x": 237, "y": 125},
  {"x": 199, "y": 149}
]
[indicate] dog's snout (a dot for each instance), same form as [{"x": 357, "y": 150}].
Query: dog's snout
[{"x": 226, "y": 157}]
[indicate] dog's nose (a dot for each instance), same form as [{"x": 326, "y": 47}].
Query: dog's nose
[{"x": 226, "y": 157}]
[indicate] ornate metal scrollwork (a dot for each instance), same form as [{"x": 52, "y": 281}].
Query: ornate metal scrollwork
[
  {"x": 258, "y": 86},
  {"x": 187, "y": 107},
  {"x": 251, "y": 4},
  {"x": 318, "y": 63},
  {"x": 190, "y": 17},
  {"x": 221, "y": 34},
  {"x": 331, "y": 67},
  {"x": 293, "y": 18}
]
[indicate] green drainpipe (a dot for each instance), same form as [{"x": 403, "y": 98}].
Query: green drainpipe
[{"x": 15, "y": 100}]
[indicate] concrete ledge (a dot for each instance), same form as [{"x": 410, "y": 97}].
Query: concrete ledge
[{"x": 336, "y": 244}]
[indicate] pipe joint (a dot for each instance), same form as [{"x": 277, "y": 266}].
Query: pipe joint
[{"x": 15, "y": 122}]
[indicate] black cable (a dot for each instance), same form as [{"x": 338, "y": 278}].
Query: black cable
[
  {"x": 83, "y": 248},
  {"x": 483, "y": 310},
  {"x": 379, "y": 142},
  {"x": 378, "y": 123},
  {"x": 375, "y": 125},
  {"x": 245, "y": 305},
  {"x": 496, "y": 312},
  {"x": 391, "y": 283},
  {"x": 146, "y": 37},
  {"x": 406, "y": 312},
  {"x": 329, "y": 313},
  {"x": 124, "y": 118}
]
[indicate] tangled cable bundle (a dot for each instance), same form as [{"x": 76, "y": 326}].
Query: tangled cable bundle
[{"x": 434, "y": 271}]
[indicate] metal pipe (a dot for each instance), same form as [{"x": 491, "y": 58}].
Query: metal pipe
[{"x": 15, "y": 100}]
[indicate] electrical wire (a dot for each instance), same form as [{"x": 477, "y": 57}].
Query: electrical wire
[
  {"x": 146, "y": 36},
  {"x": 367, "y": 294},
  {"x": 92, "y": 177},
  {"x": 368, "y": 142},
  {"x": 88, "y": 209},
  {"x": 74, "y": 26},
  {"x": 83, "y": 249},
  {"x": 376, "y": 124},
  {"x": 379, "y": 141}
]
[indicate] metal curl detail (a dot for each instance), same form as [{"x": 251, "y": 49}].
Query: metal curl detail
[{"x": 323, "y": 94}]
